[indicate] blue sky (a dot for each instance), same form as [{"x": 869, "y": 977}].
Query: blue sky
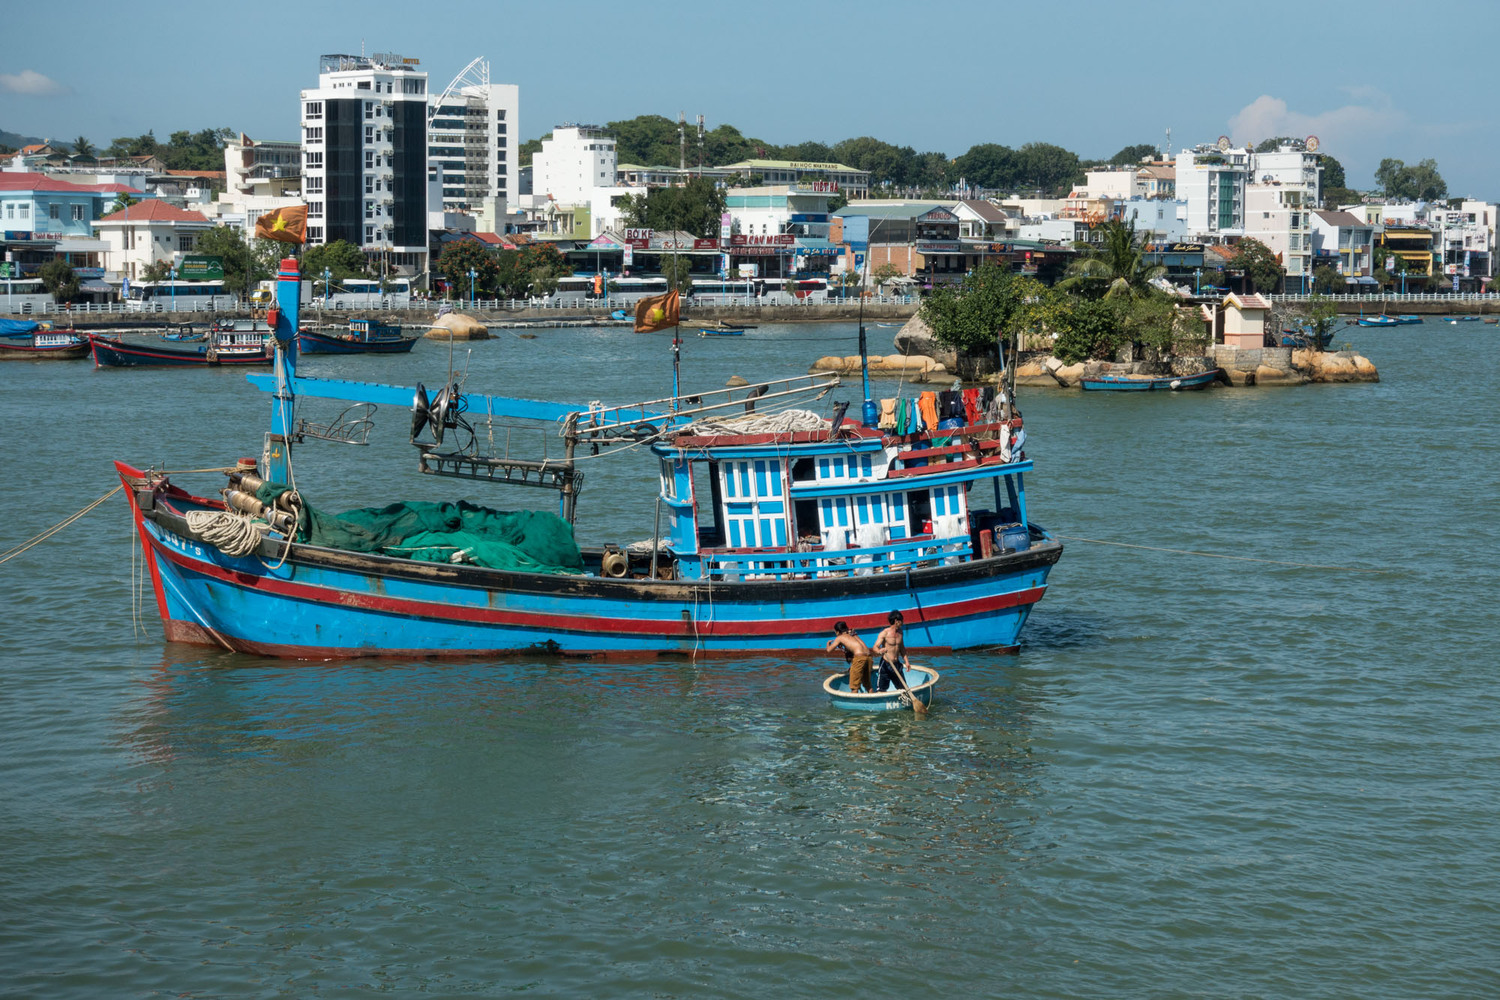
[{"x": 1371, "y": 79}]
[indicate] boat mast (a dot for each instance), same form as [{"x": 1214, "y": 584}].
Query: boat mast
[{"x": 276, "y": 457}]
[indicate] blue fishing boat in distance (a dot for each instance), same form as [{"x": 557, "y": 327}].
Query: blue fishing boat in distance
[
  {"x": 1148, "y": 383},
  {"x": 364, "y": 336},
  {"x": 921, "y": 680},
  {"x": 28, "y": 340},
  {"x": 772, "y": 520}
]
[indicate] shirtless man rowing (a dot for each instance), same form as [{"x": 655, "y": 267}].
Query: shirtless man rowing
[{"x": 856, "y": 652}]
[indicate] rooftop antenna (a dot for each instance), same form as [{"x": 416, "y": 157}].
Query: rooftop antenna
[
  {"x": 1167, "y": 151},
  {"x": 681, "y": 140},
  {"x": 700, "y": 145}
]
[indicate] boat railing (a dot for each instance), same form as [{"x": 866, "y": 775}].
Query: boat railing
[
  {"x": 606, "y": 422},
  {"x": 780, "y": 564}
]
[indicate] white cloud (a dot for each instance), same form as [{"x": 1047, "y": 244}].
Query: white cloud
[
  {"x": 1352, "y": 126},
  {"x": 31, "y": 83}
]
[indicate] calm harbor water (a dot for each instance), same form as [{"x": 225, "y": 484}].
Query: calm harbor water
[{"x": 1201, "y": 777}]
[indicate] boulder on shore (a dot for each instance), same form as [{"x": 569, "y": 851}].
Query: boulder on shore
[{"x": 457, "y": 326}]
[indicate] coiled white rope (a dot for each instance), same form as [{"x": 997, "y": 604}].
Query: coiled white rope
[
  {"x": 232, "y": 534},
  {"x": 785, "y": 422}
]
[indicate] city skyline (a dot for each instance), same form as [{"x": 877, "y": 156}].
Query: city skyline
[{"x": 1093, "y": 81}]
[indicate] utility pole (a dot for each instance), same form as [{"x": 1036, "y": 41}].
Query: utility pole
[
  {"x": 700, "y": 145},
  {"x": 681, "y": 140}
]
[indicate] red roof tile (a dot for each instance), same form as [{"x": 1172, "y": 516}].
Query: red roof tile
[{"x": 153, "y": 211}]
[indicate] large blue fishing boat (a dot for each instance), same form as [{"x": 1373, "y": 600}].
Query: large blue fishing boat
[{"x": 772, "y": 522}]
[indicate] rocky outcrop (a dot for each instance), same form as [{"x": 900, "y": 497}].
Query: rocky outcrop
[
  {"x": 457, "y": 326},
  {"x": 1334, "y": 366},
  {"x": 912, "y": 368}
]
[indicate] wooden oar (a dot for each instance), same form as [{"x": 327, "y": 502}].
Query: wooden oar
[{"x": 917, "y": 708}]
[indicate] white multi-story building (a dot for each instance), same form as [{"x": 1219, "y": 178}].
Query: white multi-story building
[
  {"x": 472, "y": 137},
  {"x": 1211, "y": 179},
  {"x": 1345, "y": 242},
  {"x": 571, "y": 165},
  {"x": 267, "y": 167},
  {"x": 364, "y": 157}
]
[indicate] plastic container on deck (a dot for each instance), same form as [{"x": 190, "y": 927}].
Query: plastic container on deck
[{"x": 1012, "y": 538}]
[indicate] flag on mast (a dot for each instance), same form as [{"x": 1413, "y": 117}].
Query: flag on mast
[
  {"x": 657, "y": 313},
  {"x": 285, "y": 225}
]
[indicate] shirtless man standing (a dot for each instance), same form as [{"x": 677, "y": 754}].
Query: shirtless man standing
[
  {"x": 856, "y": 652},
  {"x": 891, "y": 648}
]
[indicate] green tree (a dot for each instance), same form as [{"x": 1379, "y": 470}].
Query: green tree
[
  {"x": 1326, "y": 279},
  {"x": 677, "y": 271},
  {"x": 340, "y": 258},
  {"x": 885, "y": 272},
  {"x": 991, "y": 302},
  {"x": 1132, "y": 155},
  {"x": 1271, "y": 145},
  {"x": 1419, "y": 183},
  {"x": 886, "y": 163},
  {"x": 1116, "y": 266},
  {"x": 121, "y": 203},
  {"x": 83, "y": 148},
  {"x": 59, "y": 278},
  {"x": 1258, "y": 264},
  {"x": 125, "y": 147},
  {"x": 530, "y": 147},
  {"x": 461, "y": 257},
  {"x": 1046, "y": 167},
  {"x": 243, "y": 265},
  {"x": 990, "y": 166},
  {"x": 694, "y": 208},
  {"x": 157, "y": 270}
]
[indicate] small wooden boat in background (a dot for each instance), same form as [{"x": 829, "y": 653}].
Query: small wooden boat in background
[
  {"x": 923, "y": 681},
  {"x": 365, "y": 336},
  {"x": 28, "y": 340},
  {"x": 1138, "y": 383},
  {"x": 233, "y": 346}
]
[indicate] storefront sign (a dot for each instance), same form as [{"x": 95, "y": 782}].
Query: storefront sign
[
  {"x": 940, "y": 247},
  {"x": 705, "y": 244},
  {"x": 777, "y": 240},
  {"x": 17, "y": 235},
  {"x": 639, "y": 234}
]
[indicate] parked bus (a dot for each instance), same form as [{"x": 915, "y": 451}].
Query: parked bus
[
  {"x": 165, "y": 296},
  {"x": 23, "y": 295},
  {"x": 366, "y": 293}
]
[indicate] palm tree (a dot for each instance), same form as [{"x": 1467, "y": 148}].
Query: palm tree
[
  {"x": 83, "y": 148},
  {"x": 1118, "y": 263}
]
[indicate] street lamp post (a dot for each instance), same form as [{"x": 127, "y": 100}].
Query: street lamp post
[
  {"x": 472, "y": 275},
  {"x": 327, "y": 284},
  {"x": 172, "y": 276}
]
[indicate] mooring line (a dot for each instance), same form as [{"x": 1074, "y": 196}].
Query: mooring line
[
  {"x": 38, "y": 539},
  {"x": 1220, "y": 555}
]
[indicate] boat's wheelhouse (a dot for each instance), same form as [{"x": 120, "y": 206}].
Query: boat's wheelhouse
[{"x": 811, "y": 504}]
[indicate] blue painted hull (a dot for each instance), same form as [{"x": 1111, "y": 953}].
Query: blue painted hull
[
  {"x": 325, "y": 604},
  {"x": 923, "y": 682},
  {"x": 1112, "y": 383},
  {"x": 318, "y": 343}
]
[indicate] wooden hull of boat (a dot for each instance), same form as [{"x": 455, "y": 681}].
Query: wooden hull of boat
[
  {"x": 327, "y": 604},
  {"x": 111, "y": 353},
  {"x": 319, "y": 343},
  {"x": 30, "y": 352},
  {"x": 922, "y": 680},
  {"x": 1111, "y": 383}
]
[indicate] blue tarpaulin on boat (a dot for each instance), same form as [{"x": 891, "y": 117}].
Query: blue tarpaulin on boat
[{"x": 18, "y": 327}]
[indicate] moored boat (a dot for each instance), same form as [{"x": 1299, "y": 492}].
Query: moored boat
[
  {"x": 1147, "y": 383},
  {"x": 711, "y": 331},
  {"x": 922, "y": 681},
  {"x": 364, "y": 336},
  {"x": 1378, "y": 321},
  {"x": 28, "y": 340},
  {"x": 222, "y": 347},
  {"x": 771, "y": 526}
]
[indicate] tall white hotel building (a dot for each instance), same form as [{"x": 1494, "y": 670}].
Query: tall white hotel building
[{"x": 364, "y": 157}]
